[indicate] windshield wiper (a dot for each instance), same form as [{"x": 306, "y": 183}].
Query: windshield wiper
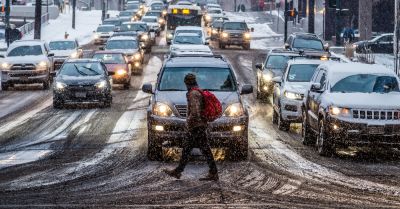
[
  {"x": 79, "y": 71},
  {"x": 90, "y": 69}
]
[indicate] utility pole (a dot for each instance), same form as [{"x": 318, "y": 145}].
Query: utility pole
[
  {"x": 38, "y": 19},
  {"x": 73, "y": 13},
  {"x": 396, "y": 36},
  {"x": 338, "y": 25},
  {"x": 234, "y": 9},
  {"x": 103, "y": 10},
  {"x": 286, "y": 21},
  {"x": 311, "y": 16},
  {"x": 7, "y": 21}
]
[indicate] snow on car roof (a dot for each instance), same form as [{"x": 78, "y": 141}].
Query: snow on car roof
[
  {"x": 134, "y": 23},
  {"x": 106, "y": 26},
  {"x": 191, "y": 7},
  {"x": 306, "y": 61},
  {"x": 188, "y": 34},
  {"x": 188, "y": 28},
  {"x": 27, "y": 43},
  {"x": 122, "y": 38},
  {"x": 59, "y": 40},
  {"x": 149, "y": 17}
]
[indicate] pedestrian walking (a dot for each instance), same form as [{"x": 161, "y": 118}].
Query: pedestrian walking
[{"x": 197, "y": 136}]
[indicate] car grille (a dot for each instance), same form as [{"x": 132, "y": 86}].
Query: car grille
[
  {"x": 376, "y": 114},
  {"x": 235, "y": 35},
  {"x": 81, "y": 88},
  {"x": 23, "y": 67},
  {"x": 182, "y": 110}
]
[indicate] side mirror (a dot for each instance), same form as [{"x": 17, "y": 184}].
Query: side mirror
[
  {"x": 252, "y": 29},
  {"x": 287, "y": 46},
  {"x": 277, "y": 79},
  {"x": 246, "y": 89},
  {"x": 207, "y": 43},
  {"x": 259, "y": 66},
  {"x": 326, "y": 47},
  {"x": 50, "y": 54},
  {"x": 111, "y": 73},
  {"x": 147, "y": 88},
  {"x": 315, "y": 87},
  {"x": 53, "y": 73},
  {"x": 101, "y": 48}
]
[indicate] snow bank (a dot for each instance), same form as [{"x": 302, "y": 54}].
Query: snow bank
[{"x": 385, "y": 59}]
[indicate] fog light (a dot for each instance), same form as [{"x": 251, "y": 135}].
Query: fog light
[
  {"x": 158, "y": 128},
  {"x": 237, "y": 128}
]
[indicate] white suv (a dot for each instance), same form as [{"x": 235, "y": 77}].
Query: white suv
[
  {"x": 289, "y": 91},
  {"x": 27, "y": 62}
]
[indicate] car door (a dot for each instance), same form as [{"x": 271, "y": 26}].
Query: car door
[{"x": 314, "y": 99}]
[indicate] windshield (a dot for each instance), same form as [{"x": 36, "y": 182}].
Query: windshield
[
  {"x": 62, "y": 45},
  {"x": 110, "y": 58},
  {"x": 125, "y": 14},
  {"x": 112, "y": 22},
  {"x": 276, "y": 62},
  {"x": 82, "y": 69},
  {"x": 157, "y": 6},
  {"x": 198, "y": 32},
  {"x": 235, "y": 26},
  {"x": 105, "y": 29},
  {"x": 132, "y": 6},
  {"x": 301, "y": 73},
  {"x": 149, "y": 20},
  {"x": 153, "y": 14},
  {"x": 217, "y": 11},
  {"x": 308, "y": 44},
  {"x": 214, "y": 79},
  {"x": 26, "y": 51},
  {"x": 187, "y": 40},
  {"x": 217, "y": 24},
  {"x": 367, "y": 83},
  {"x": 121, "y": 44},
  {"x": 134, "y": 27}
]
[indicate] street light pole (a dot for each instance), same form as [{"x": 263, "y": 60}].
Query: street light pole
[
  {"x": 38, "y": 17},
  {"x": 73, "y": 13},
  {"x": 396, "y": 36},
  {"x": 47, "y": 7},
  {"x": 286, "y": 21},
  {"x": 7, "y": 21}
]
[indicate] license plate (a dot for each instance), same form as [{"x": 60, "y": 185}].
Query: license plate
[
  {"x": 80, "y": 94},
  {"x": 23, "y": 78},
  {"x": 236, "y": 42},
  {"x": 376, "y": 129}
]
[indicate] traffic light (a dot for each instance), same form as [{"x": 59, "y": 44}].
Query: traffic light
[{"x": 332, "y": 4}]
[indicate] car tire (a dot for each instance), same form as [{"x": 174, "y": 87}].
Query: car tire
[
  {"x": 222, "y": 46},
  {"x": 282, "y": 124},
  {"x": 307, "y": 136},
  {"x": 127, "y": 85},
  {"x": 246, "y": 46},
  {"x": 46, "y": 84},
  {"x": 324, "y": 143},
  {"x": 57, "y": 104},
  {"x": 154, "y": 148},
  {"x": 239, "y": 151},
  {"x": 5, "y": 87}
]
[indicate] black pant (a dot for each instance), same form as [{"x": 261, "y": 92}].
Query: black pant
[{"x": 197, "y": 138}]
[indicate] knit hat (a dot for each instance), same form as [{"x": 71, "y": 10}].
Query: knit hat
[{"x": 190, "y": 79}]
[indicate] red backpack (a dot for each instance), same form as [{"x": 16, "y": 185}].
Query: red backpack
[{"x": 212, "y": 106}]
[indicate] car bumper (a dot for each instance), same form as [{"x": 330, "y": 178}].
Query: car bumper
[
  {"x": 234, "y": 41},
  {"x": 291, "y": 110},
  {"x": 351, "y": 133},
  {"x": 24, "y": 77},
  {"x": 220, "y": 132},
  {"x": 120, "y": 79}
]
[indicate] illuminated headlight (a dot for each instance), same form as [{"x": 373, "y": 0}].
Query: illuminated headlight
[
  {"x": 137, "y": 56},
  {"x": 161, "y": 21},
  {"x": 170, "y": 36},
  {"x": 60, "y": 86},
  {"x": 164, "y": 12},
  {"x": 214, "y": 31},
  {"x": 144, "y": 37},
  {"x": 208, "y": 18},
  {"x": 96, "y": 36},
  {"x": 293, "y": 96},
  {"x": 101, "y": 84},
  {"x": 234, "y": 110},
  {"x": 74, "y": 55},
  {"x": 225, "y": 35},
  {"x": 267, "y": 77},
  {"x": 5, "y": 66},
  {"x": 338, "y": 111},
  {"x": 121, "y": 72},
  {"x": 354, "y": 46},
  {"x": 136, "y": 64},
  {"x": 140, "y": 13},
  {"x": 42, "y": 64},
  {"x": 162, "y": 110},
  {"x": 247, "y": 36}
]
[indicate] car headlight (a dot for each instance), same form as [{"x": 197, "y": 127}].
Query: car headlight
[
  {"x": 293, "y": 96},
  {"x": 164, "y": 12},
  {"x": 267, "y": 77},
  {"x": 214, "y": 31},
  {"x": 144, "y": 37},
  {"x": 161, "y": 21},
  {"x": 247, "y": 36},
  {"x": 5, "y": 66},
  {"x": 96, "y": 36},
  {"x": 338, "y": 111},
  {"x": 42, "y": 64},
  {"x": 137, "y": 56},
  {"x": 234, "y": 110},
  {"x": 101, "y": 84},
  {"x": 225, "y": 35},
  {"x": 354, "y": 46},
  {"x": 162, "y": 110},
  {"x": 208, "y": 17},
  {"x": 170, "y": 36},
  {"x": 60, "y": 85},
  {"x": 74, "y": 55},
  {"x": 121, "y": 72}
]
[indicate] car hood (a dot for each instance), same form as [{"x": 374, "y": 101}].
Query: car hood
[
  {"x": 297, "y": 87},
  {"x": 25, "y": 59},
  {"x": 86, "y": 80},
  {"x": 105, "y": 33},
  {"x": 179, "y": 97},
  {"x": 63, "y": 53},
  {"x": 358, "y": 100},
  {"x": 115, "y": 67},
  {"x": 125, "y": 51}
]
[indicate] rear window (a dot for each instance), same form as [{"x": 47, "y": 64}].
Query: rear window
[
  {"x": 308, "y": 44},
  {"x": 105, "y": 29},
  {"x": 276, "y": 62},
  {"x": 213, "y": 79},
  {"x": 110, "y": 58},
  {"x": 121, "y": 44},
  {"x": 301, "y": 72}
]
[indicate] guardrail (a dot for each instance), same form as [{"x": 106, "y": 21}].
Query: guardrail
[{"x": 28, "y": 27}]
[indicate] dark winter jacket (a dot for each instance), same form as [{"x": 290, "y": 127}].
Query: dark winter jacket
[{"x": 195, "y": 104}]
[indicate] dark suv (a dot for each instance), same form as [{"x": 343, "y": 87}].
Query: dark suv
[
  {"x": 235, "y": 33},
  {"x": 305, "y": 42},
  {"x": 166, "y": 115},
  {"x": 352, "y": 104}
]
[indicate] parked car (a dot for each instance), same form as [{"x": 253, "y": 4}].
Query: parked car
[
  {"x": 166, "y": 115},
  {"x": 379, "y": 44},
  {"x": 64, "y": 49},
  {"x": 289, "y": 91},
  {"x": 130, "y": 47},
  {"x": 82, "y": 81},
  {"x": 143, "y": 32},
  {"x": 103, "y": 33},
  {"x": 27, "y": 62},
  {"x": 352, "y": 104},
  {"x": 235, "y": 33},
  {"x": 305, "y": 42},
  {"x": 118, "y": 63}
]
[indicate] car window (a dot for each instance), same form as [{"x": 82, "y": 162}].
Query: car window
[
  {"x": 82, "y": 69},
  {"x": 105, "y": 29},
  {"x": 308, "y": 44},
  {"x": 301, "y": 72},
  {"x": 235, "y": 26},
  {"x": 121, "y": 44},
  {"x": 215, "y": 79},
  {"x": 112, "y": 22},
  {"x": 134, "y": 27},
  {"x": 154, "y": 20},
  {"x": 276, "y": 62},
  {"x": 62, "y": 45},
  {"x": 187, "y": 40},
  {"x": 216, "y": 11},
  {"x": 198, "y": 32},
  {"x": 367, "y": 83},
  {"x": 321, "y": 78},
  {"x": 132, "y": 6},
  {"x": 110, "y": 58},
  {"x": 26, "y": 51}
]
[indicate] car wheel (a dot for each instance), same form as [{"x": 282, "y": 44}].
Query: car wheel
[
  {"x": 324, "y": 143},
  {"x": 239, "y": 151},
  {"x": 246, "y": 46},
  {"x": 154, "y": 148},
  {"x": 57, "y": 104},
  {"x": 307, "y": 136},
  {"x": 222, "y": 46},
  {"x": 127, "y": 85},
  {"x": 46, "y": 85},
  {"x": 282, "y": 124},
  {"x": 4, "y": 87}
]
